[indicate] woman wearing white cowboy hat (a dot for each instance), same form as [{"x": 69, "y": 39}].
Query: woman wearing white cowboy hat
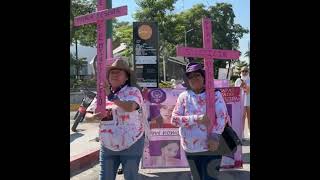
[{"x": 121, "y": 129}]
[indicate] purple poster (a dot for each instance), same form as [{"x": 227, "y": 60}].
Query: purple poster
[{"x": 163, "y": 150}]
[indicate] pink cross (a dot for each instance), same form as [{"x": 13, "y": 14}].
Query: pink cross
[
  {"x": 208, "y": 54},
  {"x": 99, "y": 17}
]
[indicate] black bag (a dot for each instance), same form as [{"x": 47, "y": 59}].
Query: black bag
[{"x": 229, "y": 141}]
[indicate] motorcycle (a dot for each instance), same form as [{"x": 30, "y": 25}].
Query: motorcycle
[{"x": 85, "y": 103}]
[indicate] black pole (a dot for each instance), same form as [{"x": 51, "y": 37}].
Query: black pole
[
  {"x": 228, "y": 68},
  {"x": 77, "y": 65},
  {"x": 185, "y": 43}
]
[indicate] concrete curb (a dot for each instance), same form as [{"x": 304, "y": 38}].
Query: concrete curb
[{"x": 84, "y": 160}]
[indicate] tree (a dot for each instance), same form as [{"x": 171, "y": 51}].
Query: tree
[
  {"x": 226, "y": 33},
  {"x": 159, "y": 11},
  {"x": 122, "y": 33},
  {"x": 86, "y": 34},
  {"x": 154, "y": 10},
  {"x": 76, "y": 64},
  {"x": 239, "y": 65},
  {"x": 172, "y": 27},
  {"x": 247, "y": 54}
]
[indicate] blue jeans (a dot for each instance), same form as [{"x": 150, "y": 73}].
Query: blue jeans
[
  {"x": 129, "y": 158},
  {"x": 204, "y": 165}
]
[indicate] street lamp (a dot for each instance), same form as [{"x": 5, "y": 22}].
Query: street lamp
[
  {"x": 185, "y": 40},
  {"x": 185, "y": 36}
]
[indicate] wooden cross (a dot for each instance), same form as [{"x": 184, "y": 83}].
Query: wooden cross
[
  {"x": 99, "y": 17},
  {"x": 208, "y": 54}
]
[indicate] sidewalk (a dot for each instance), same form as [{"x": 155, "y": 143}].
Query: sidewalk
[
  {"x": 84, "y": 150},
  {"x": 174, "y": 173}
]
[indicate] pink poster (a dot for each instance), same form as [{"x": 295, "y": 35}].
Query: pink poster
[
  {"x": 163, "y": 150},
  {"x": 233, "y": 101}
]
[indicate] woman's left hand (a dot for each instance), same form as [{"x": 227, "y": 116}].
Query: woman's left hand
[{"x": 213, "y": 145}]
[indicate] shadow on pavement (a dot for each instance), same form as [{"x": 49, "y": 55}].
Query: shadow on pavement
[
  {"x": 79, "y": 130},
  {"x": 75, "y": 136},
  {"x": 224, "y": 175},
  {"x": 93, "y": 175},
  {"x": 167, "y": 176},
  {"x": 234, "y": 175},
  {"x": 246, "y": 158}
]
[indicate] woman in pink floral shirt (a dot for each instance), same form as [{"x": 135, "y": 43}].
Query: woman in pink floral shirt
[
  {"x": 121, "y": 128},
  {"x": 190, "y": 116}
]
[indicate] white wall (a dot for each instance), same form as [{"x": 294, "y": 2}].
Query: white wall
[{"x": 87, "y": 52}]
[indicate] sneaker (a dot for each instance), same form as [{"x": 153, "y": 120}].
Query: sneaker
[
  {"x": 245, "y": 139},
  {"x": 120, "y": 171}
]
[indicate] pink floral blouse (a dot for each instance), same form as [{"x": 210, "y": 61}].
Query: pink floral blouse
[
  {"x": 190, "y": 108},
  {"x": 125, "y": 128}
]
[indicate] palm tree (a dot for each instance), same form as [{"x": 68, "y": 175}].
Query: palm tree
[
  {"x": 247, "y": 54},
  {"x": 239, "y": 65}
]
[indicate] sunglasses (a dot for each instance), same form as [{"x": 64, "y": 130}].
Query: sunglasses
[{"x": 244, "y": 71}]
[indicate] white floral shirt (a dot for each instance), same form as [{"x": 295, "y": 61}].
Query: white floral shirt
[
  {"x": 190, "y": 108},
  {"x": 125, "y": 128}
]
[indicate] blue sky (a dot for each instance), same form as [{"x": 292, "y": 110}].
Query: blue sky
[{"x": 241, "y": 9}]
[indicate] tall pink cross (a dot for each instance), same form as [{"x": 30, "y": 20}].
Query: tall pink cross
[
  {"x": 99, "y": 17},
  {"x": 208, "y": 54}
]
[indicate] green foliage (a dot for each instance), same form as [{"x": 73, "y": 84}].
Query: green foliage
[
  {"x": 86, "y": 35},
  {"x": 165, "y": 84},
  {"x": 122, "y": 33},
  {"x": 239, "y": 65},
  {"x": 78, "y": 84},
  {"x": 172, "y": 27},
  {"x": 247, "y": 54}
]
